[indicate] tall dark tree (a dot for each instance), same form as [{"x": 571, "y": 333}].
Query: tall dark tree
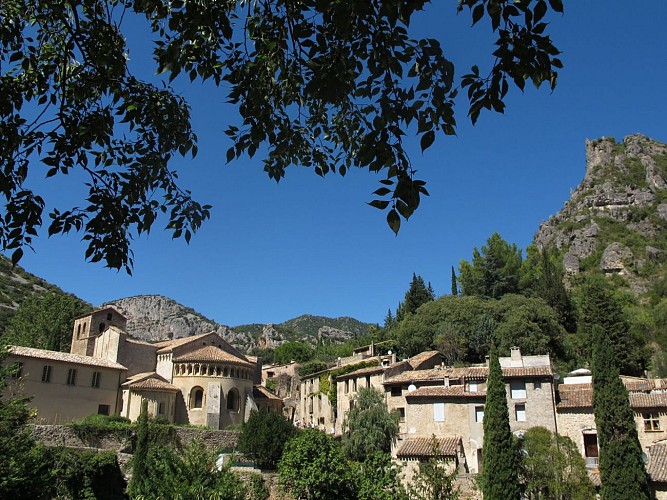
[
  {"x": 139, "y": 484},
  {"x": 455, "y": 287},
  {"x": 500, "y": 473},
  {"x": 600, "y": 308},
  {"x": 417, "y": 295},
  {"x": 263, "y": 437},
  {"x": 389, "y": 319},
  {"x": 494, "y": 271},
  {"x": 621, "y": 466}
]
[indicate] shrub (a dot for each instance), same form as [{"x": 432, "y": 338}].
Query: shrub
[{"x": 263, "y": 437}]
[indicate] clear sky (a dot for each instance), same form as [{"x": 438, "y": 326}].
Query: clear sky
[{"x": 312, "y": 246}]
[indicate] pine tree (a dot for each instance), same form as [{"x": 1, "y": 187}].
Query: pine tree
[
  {"x": 417, "y": 294},
  {"x": 455, "y": 288},
  {"x": 389, "y": 319},
  {"x": 138, "y": 483},
  {"x": 621, "y": 466},
  {"x": 551, "y": 288},
  {"x": 500, "y": 473}
]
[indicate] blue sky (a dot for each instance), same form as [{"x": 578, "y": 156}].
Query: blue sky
[{"x": 312, "y": 246}]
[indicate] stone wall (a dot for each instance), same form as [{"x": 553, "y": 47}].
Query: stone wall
[{"x": 60, "y": 435}]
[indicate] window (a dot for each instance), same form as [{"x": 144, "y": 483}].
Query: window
[
  {"x": 197, "y": 397},
  {"x": 438, "y": 412},
  {"x": 518, "y": 389},
  {"x": 46, "y": 373},
  {"x": 18, "y": 370},
  {"x": 472, "y": 387},
  {"x": 537, "y": 385},
  {"x": 396, "y": 391},
  {"x": 160, "y": 409},
  {"x": 347, "y": 386},
  {"x": 354, "y": 385},
  {"x": 368, "y": 380},
  {"x": 102, "y": 327},
  {"x": 96, "y": 379},
  {"x": 479, "y": 414},
  {"x": 103, "y": 409},
  {"x": 651, "y": 422},
  {"x": 109, "y": 317},
  {"x": 71, "y": 376},
  {"x": 401, "y": 414},
  {"x": 520, "y": 413},
  {"x": 233, "y": 400}
]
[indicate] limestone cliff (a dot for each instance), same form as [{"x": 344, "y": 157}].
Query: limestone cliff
[
  {"x": 616, "y": 218},
  {"x": 154, "y": 317}
]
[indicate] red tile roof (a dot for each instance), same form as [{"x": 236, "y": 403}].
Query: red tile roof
[
  {"x": 65, "y": 357},
  {"x": 261, "y": 392},
  {"x": 417, "y": 361},
  {"x": 642, "y": 400},
  {"x": 212, "y": 354},
  {"x": 424, "y": 447},
  {"x": 453, "y": 391},
  {"x": 149, "y": 381},
  {"x": 576, "y": 399},
  {"x": 657, "y": 462},
  {"x": 370, "y": 370}
]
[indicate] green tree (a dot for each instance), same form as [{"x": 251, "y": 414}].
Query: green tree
[
  {"x": 23, "y": 471},
  {"x": 599, "y": 307},
  {"x": 435, "y": 478},
  {"x": 552, "y": 467},
  {"x": 494, "y": 271},
  {"x": 140, "y": 483},
  {"x": 368, "y": 427},
  {"x": 313, "y": 466},
  {"x": 378, "y": 479},
  {"x": 500, "y": 474},
  {"x": 69, "y": 100},
  {"x": 622, "y": 469},
  {"x": 543, "y": 275},
  {"x": 417, "y": 295},
  {"x": 45, "y": 322},
  {"x": 293, "y": 351},
  {"x": 263, "y": 437}
]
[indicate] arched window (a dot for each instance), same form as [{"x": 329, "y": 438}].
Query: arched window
[
  {"x": 196, "y": 397},
  {"x": 102, "y": 327},
  {"x": 78, "y": 331},
  {"x": 233, "y": 400}
]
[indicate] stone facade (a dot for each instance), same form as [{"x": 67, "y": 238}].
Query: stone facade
[{"x": 200, "y": 380}]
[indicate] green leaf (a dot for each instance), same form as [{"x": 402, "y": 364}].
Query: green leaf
[
  {"x": 427, "y": 139},
  {"x": 381, "y": 204},
  {"x": 394, "y": 220}
]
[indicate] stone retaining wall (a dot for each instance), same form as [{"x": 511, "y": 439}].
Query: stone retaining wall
[{"x": 118, "y": 440}]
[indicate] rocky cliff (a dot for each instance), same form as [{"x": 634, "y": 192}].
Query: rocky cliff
[
  {"x": 154, "y": 317},
  {"x": 616, "y": 219}
]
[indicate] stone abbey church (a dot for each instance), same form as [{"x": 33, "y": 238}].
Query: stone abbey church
[{"x": 199, "y": 380}]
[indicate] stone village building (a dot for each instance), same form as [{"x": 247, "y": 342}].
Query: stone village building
[{"x": 200, "y": 380}]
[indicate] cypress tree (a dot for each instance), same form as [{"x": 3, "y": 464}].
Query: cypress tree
[
  {"x": 455, "y": 288},
  {"x": 500, "y": 473},
  {"x": 138, "y": 482},
  {"x": 621, "y": 466}
]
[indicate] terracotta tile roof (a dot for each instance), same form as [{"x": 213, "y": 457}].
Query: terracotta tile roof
[
  {"x": 423, "y": 447},
  {"x": 212, "y": 354},
  {"x": 575, "y": 387},
  {"x": 453, "y": 391},
  {"x": 370, "y": 370},
  {"x": 66, "y": 357},
  {"x": 576, "y": 399},
  {"x": 421, "y": 358},
  {"x": 418, "y": 376},
  {"x": 657, "y": 462},
  {"x": 642, "y": 400},
  {"x": 169, "y": 345},
  {"x": 261, "y": 392},
  {"x": 154, "y": 383}
]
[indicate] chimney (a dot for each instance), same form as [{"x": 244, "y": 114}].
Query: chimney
[
  {"x": 446, "y": 381},
  {"x": 515, "y": 356}
]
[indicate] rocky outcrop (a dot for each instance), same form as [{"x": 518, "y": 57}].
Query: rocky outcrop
[
  {"x": 154, "y": 317},
  {"x": 615, "y": 219}
]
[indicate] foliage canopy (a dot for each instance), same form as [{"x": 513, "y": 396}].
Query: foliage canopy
[
  {"x": 326, "y": 85},
  {"x": 263, "y": 437}
]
